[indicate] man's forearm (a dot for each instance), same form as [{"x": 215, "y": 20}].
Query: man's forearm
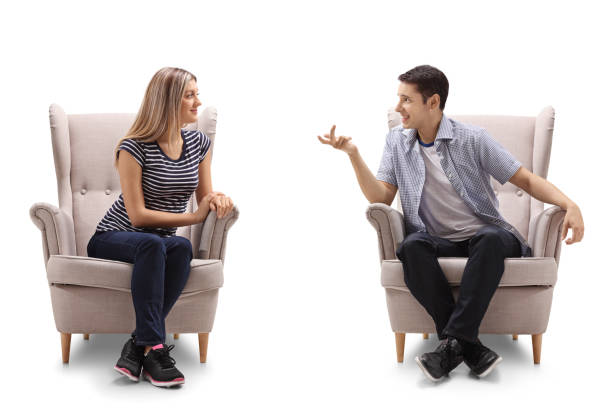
[
  {"x": 545, "y": 191},
  {"x": 372, "y": 188}
]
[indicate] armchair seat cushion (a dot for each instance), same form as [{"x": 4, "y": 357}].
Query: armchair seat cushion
[
  {"x": 517, "y": 272},
  {"x": 206, "y": 274}
]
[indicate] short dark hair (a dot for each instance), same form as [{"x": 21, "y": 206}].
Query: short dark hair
[{"x": 429, "y": 81}]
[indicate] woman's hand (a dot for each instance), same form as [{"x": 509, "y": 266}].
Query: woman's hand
[
  {"x": 222, "y": 204},
  {"x": 204, "y": 206}
]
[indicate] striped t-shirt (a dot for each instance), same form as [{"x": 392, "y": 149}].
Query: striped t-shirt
[{"x": 167, "y": 184}]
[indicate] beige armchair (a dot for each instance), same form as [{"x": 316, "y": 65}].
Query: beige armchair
[
  {"x": 91, "y": 295},
  {"x": 522, "y": 302}
]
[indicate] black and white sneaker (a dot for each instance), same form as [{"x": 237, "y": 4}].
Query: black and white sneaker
[
  {"x": 480, "y": 358},
  {"x": 440, "y": 362},
  {"x": 158, "y": 368},
  {"x": 130, "y": 362}
]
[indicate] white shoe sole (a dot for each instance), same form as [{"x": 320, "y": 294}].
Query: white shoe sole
[
  {"x": 172, "y": 383},
  {"x": 126, "y": 372},
  {"x": 425, "y": 370},
  {"x": 488, "y": 370}
]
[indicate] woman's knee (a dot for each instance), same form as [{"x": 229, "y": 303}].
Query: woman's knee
[
  {"x": 182, "y": 245},
  {"x": 151, "y": 243}
]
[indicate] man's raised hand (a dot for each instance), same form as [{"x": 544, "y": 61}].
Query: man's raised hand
[{"x": 341, "y": 142}]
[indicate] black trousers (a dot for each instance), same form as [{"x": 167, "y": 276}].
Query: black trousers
[{"x": 485, "y": 251}]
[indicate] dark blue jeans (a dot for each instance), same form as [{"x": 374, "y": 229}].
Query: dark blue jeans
[
  {"x": 485, "y": 251},
  {"x": 161, "y": 269}
]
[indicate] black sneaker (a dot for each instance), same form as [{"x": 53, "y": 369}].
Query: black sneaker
[
  {"x": 158, "y": 368},
  {"x": 442, "y": 360},
  {"x": 480, "y": 359},
  {"x": 130, "y": 362}
]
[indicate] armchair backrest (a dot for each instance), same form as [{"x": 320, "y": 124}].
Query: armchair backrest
[
  {"x": 529, "y": 140},
  {"x": 87, "y": 180}
]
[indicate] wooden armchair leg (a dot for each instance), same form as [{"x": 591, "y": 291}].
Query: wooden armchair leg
[
  {"x": 400, "y": 341},
  {"x": 85, "y": 336},
  {"x": 203, "y": 340},
  {"x": 176, "y": 336},
  {"x": 536, "y": 341},
  {"x": 515, "y": 337},
  {"x": 65, "y": 346},
  {"x": 425, "y": 336}
]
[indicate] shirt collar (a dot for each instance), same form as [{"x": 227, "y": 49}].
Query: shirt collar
[{"x": 445, "y": 131}]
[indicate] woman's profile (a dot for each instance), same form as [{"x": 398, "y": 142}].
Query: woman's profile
[{"x": 160, "y": 165}]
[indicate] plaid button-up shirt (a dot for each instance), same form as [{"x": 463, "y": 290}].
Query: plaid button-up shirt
[{"x": 468, "y": 155}]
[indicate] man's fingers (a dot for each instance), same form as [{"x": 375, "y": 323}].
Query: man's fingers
[
  {"x": 324, "y": 141},
  {"x": 571, "y": 239},
  {"x": 577, "y": 234},
  {"x": 565, "y": 228},
  {"x": 332, "y": 134}
]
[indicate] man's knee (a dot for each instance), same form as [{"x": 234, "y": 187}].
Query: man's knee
[
  {"x": 413, "y": 244},
  {"x": 488, "y": 236}
]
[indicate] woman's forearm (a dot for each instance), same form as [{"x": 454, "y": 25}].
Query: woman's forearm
[{"x": 162, "y": 219}]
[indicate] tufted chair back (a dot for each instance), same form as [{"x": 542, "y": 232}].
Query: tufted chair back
[
  {"x": 529, "y": 140},
  {"x": 87, "y": 180}
]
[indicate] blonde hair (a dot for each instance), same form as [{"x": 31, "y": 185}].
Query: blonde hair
[{"x": 159, "y": 112}]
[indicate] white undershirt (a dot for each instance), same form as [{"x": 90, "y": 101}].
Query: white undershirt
[{"x": 444, "y": 213}]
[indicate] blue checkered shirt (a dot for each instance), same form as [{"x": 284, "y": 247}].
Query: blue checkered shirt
[{"x": 468, "y": 155}]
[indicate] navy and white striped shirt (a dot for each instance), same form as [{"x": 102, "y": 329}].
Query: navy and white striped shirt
[
  {"x": 468, "y": 155},
  {"x": 167, "y": 184}
]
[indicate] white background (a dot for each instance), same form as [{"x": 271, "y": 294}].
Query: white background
[{"x": 302, "y": 318}]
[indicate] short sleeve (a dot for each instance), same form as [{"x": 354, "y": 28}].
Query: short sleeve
[
  {"x": 204, "y": 145},
  {"x": 134, "y": 148},
  {"x": 386, "y": 170},
  {"x": 494, "y": 159}
]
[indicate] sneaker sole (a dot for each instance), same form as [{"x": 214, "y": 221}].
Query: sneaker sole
[
  {"x": 176, "y": 381},
  {"x": 488, "y": 370},
  {"x": 126, "y": 372},
  {"x": 425, "y": 370}
]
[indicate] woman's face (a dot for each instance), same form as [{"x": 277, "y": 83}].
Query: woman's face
[{"x": 190, "y": 103}]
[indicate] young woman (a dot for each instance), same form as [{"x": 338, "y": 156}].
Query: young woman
[{"x": 160, "y": 166}]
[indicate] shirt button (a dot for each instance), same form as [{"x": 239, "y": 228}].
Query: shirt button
[
  {"x": 83, "y": 191},
  {"x": 519, "y": 193},
  {"x": 107, "y": 192},
  {"x": 495, "y": 192}
]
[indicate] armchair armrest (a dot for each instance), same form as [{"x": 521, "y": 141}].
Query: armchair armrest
[
  {"x": 57, "y": 230},
  {"x": 389, "y": 225},
  {"x": 545, "y": 233},
  {"x": 212, "y": 233}
]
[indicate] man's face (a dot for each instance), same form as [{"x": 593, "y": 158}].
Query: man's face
[{"x": 414, "y": 112}]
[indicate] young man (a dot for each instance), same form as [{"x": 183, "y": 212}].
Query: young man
[{"x": 442, "y": 169}]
